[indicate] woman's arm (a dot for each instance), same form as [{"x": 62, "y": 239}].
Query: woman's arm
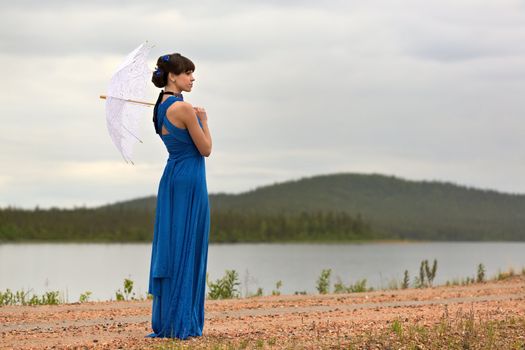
[{"x": 185, "y": 112}]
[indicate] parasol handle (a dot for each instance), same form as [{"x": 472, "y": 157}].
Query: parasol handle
[{"x": 130, "y": 100}]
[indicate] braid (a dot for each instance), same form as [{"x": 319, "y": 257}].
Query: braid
[{"x": 155, "y": 112}]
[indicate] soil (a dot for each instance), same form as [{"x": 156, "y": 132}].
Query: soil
[{"x": 280, "y": 321}]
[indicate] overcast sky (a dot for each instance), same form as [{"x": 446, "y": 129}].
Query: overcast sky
[{"x": 423, "y": 90}]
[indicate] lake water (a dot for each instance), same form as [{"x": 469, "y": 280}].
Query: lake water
[{"x": 101, "y": 268}]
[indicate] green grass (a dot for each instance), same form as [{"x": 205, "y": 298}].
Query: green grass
[
  {"x": 22, "y": 297},
  {"x": 465, "y": 330},
  {"x": 227, "y": 287}
]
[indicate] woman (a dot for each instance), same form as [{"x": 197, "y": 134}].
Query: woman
[{"x": 180, "y": 241}]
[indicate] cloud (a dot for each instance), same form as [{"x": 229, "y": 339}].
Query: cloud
[
  {"x": 423, "y": 90},
  {"x": 450, "y": 32}
]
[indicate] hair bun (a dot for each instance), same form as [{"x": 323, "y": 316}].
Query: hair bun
[{"x": 159, "y": 78}]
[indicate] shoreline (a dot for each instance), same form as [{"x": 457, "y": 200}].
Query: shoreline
[
  {"x": 377, "y": 241},
  {"x": 281, "y": 320}
]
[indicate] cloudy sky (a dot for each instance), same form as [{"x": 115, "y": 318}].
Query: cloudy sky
[{"x": 424, "y": 90}]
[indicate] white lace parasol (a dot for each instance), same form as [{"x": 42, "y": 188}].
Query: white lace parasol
[{"x": 124, "y": 107}]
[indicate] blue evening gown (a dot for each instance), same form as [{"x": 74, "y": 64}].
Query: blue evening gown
[{"x": 177, "y": 278}]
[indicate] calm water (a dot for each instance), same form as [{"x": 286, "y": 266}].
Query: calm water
[{"x": 101, "y": 268}]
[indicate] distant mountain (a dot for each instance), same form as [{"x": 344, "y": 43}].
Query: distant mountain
[{"x": 395, "y": 207}]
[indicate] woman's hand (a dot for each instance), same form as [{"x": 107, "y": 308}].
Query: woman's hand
[{"x": 201, "y": 113}]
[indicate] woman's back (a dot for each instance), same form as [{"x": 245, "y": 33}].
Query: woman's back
[{"x": 177, "y": 140}]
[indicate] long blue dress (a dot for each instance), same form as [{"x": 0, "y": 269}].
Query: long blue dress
[{"x": 180, "y": 242}]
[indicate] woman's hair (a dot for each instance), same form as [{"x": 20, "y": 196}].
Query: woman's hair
[{"x": 173, "y": 63}]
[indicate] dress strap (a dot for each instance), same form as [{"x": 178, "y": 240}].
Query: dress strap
[
  {"x": 172, "y": 129},
  {"x": 170, "y": 100}
]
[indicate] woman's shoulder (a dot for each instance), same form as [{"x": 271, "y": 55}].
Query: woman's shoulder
[
  {"x": 181, "y": 106},
  {"x": 180, "y": 110}
]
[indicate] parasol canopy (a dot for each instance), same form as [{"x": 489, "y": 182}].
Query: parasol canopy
[{"x": 124, "y": 105}]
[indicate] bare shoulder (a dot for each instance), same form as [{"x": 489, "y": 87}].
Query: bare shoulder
[
  {"x": 181, "y": 114},
  {"x": 181, "y": 110},
  {"x": 180, "y": 107}
]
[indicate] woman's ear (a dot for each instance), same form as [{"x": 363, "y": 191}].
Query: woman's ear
[{"x": 171, "y": 77}]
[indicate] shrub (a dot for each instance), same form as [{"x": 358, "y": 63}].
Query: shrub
[
  {"x": 225, "y": 287},
  {"x": 426, "y": 274},
  {"x": 277, "y": 286},
  {"x": 481, "y": 273},
  {"x": 22, "y": 297},
  {"x": 323, "y": 282},
  {"x": 357, "y": 287},
  {"x": 128, "y": 291},
  {"x": 406, "y": 280},
  {"x": 84, "y": 296}
]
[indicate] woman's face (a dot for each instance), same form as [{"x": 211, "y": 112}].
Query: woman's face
[{"x": 184, "y": 81}]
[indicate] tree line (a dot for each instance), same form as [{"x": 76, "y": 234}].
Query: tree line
[{"x": 129, "y": 225}]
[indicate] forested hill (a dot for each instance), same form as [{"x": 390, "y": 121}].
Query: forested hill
[
  {"x": 339, "y": 207},
  {"x": 396, "y": 207}
]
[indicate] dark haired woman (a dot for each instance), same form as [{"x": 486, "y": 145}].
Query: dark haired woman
[{"x": 182, "y": 221}]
